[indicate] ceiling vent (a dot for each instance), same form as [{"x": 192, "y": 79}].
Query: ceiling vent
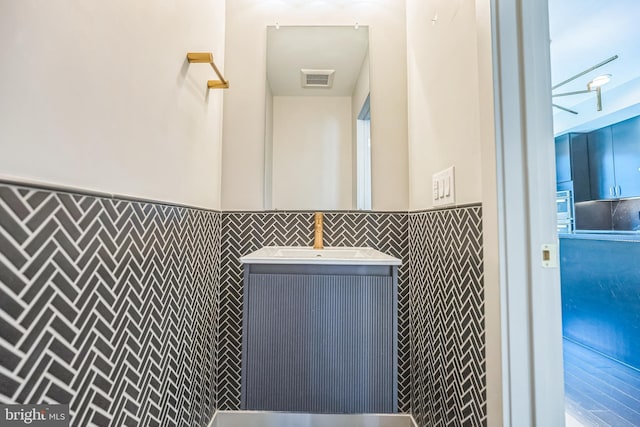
[{"x": 317, "y": 78}]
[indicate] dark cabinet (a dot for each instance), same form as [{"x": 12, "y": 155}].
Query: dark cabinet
[
  {"x": 602, "y": 172},
  {"x": 626, "y": 156},
  {"x": 320, "y": 338},
  {"x": 600, "y": 298},
  {"x": 572, "y": 164},
  {"x": 563, "y": 158},
  {"x": 614, "y": 160},
  {"x": 580, "y": 167}
]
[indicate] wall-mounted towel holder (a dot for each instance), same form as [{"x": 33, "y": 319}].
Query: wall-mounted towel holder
[{"x": 207, "y": 58}]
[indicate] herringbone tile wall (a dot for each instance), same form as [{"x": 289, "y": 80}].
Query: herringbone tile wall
[
  {"x": 131, "y": 312},
  {"x": 245, "y": 232},
  {"x": 447, "y": 318},
  {"x": 110, "y": 306}
]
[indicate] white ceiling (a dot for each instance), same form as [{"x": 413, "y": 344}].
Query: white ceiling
[
  {"x": 583, "y": 34},
  {"x": 290, "y": 49}
]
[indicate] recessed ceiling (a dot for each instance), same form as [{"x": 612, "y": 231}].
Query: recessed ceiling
[
  {"x": 586, "y": 32},
  {"x": 290, "y": 49}
]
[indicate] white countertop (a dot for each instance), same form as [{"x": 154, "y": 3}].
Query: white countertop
[
  {"x": 630, "y": 236},
  {"x": 329, "y": 255}
]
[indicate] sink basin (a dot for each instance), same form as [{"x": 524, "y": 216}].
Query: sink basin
[
  {"x": 315, "y": 253},
  {"x": 308, "y": 255}
]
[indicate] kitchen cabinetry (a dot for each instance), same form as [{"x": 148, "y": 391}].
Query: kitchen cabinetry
[
  {"x": 614, "y": 160},
  {"x": 601, "y": 168},
  {"x": 626, "y": 157},
  {"x": 563, "y": 158},
  {"x": 600, "y": 298},
  {"x": 572, "y": 164}
]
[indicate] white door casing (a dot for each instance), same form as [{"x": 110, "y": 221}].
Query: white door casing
[{"x": 532, "y": 375}]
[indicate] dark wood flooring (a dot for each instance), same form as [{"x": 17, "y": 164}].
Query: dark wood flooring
[{"x": 600, "y": 391}]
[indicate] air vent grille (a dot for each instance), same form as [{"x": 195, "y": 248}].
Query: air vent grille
[{"x": 317, "y": 78}]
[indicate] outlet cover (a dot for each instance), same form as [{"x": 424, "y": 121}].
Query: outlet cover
[{"x": 444, "y": 189}]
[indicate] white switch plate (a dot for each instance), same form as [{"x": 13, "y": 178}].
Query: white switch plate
[{"x": 444, "y": 187}]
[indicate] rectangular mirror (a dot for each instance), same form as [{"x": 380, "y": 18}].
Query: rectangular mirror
[{"x": 317, "y": 124}]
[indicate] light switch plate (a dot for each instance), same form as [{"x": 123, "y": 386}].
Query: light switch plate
[{"x": 444, "y": 187}]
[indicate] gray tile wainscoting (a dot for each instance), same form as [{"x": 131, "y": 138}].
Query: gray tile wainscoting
[
  {"x": 108, "y": 305},
  {"x": 448, "y": 369},
  {"x": 245, "y": 232},
  {"x": 131, "y": 311}
]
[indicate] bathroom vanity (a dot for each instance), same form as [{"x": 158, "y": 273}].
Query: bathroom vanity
[{"x": 320, "y": 330}]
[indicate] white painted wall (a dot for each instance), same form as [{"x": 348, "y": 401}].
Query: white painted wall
[
  {"x": 312, "y": 153},
  {"x": 443, "y": 93},
  {"x": 268, "y": 149},
  {"x": 451, "y": 122},
  {"x": 361, "y": 89},
  {"x": 98, "y": 95},
  {"x": 243, "y": 147},
  {"x": 359, "y": 96}
]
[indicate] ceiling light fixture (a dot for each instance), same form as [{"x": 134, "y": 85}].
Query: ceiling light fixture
[
  {"x": 599, "y": 81},
  {"x": 594, "y": 85}
]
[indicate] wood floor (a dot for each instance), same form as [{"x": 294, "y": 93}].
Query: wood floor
[{"x": 598, "y": 390}]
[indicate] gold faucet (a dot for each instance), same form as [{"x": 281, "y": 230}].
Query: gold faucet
[{"x": 317, "y": 243}]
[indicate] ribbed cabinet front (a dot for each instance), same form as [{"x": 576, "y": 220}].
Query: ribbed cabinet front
[{"x": 320, "y": 343}]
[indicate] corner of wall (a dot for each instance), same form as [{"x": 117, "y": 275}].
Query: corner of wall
[{"x": 490, "y": 214}]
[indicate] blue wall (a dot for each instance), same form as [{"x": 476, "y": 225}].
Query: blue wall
[{"x": 601, "y": 296}]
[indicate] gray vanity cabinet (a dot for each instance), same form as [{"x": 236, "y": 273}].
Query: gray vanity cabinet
[{"x": 320, "y": 338}]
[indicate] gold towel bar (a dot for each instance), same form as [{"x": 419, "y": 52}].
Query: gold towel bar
[{"x": 207, "y": 58}]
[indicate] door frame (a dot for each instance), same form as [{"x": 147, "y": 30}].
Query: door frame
[{"x": 530, "y": 305}]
